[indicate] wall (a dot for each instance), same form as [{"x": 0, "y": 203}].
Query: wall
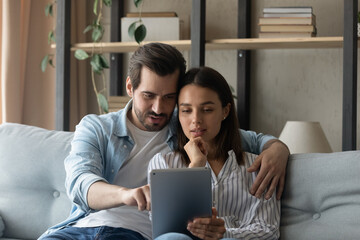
[{"x": 286, "y": 84}]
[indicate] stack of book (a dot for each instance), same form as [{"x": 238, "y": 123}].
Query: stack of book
[{"x": 287, "y": 22}]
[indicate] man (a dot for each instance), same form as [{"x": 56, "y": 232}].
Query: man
[{"x": 107, "y": 166}]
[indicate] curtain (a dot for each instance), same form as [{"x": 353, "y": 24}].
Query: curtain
[{"x": 27, "y": 95}]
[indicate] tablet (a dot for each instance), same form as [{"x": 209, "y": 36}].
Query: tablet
[{"x": 177, "y": 196}]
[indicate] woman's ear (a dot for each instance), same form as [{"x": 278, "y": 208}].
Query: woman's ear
[
  {"x": 226, "y": 111},
  {"x": 129, "y": 88}
]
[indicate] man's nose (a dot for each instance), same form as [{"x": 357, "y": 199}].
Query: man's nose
[{"x": 157, "y": 105}]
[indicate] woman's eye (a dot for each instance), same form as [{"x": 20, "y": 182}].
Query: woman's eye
[
  {"x": 208, "y": 110},
  {"x": 185, "y": 110}
]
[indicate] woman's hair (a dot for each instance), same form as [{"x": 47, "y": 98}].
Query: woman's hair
[
  {"x": 228, "y": 137},
  {"x": 162, "y": 59}
]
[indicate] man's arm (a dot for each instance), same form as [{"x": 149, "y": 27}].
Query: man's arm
[
  {"x": 102, "y": 195},
  {"x": 271, "y": 162}
]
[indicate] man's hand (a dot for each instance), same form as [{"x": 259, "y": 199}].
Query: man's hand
[
  {"x": 208, "y": 228},
  {"x": 272, "y": 164},
  {"x": 139, "y": 197}
]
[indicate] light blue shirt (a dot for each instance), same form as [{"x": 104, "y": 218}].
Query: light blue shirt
[{"x": 102, "y": 143}]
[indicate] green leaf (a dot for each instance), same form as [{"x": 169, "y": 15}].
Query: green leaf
[
  {"x": 44, "y": 63},
  {"x": 49, "y": 9},
  {"x": 51, "y": 63},
  {"x": 137, "y": 3},
  {"x": 108, "y": 3},
  {"x": 96, "y": 65},
  {"x": 131, "y": 29},
  {"x": 95, "y": 6},
  {"x": 103, "y": 102},
  {"x": 97, "y": 33},
  {"x": 88, "y": 28},
  {"x": 103, "y": 62},
  {"x": 51, "y": 37},
  {"x": 140, "y": 33},
  {"x": 81, "y": 54}
]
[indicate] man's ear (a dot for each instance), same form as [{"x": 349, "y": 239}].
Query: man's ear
[{"x": 129, "y": 88}]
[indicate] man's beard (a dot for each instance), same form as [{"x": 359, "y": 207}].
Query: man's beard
[{"x": 151, "y": 127}]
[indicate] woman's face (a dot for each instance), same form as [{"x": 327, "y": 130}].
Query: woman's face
[{"x": 200, "y": 112}]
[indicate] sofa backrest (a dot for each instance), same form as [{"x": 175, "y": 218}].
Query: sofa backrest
[
  {"x": 321, "y": 198},
  {"x": 32, "y": 174}
]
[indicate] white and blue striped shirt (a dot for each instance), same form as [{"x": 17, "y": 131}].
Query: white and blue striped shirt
[{"x": 245, "y": 216}]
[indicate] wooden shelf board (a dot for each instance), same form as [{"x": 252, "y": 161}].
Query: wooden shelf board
[{"x": 221, "y": 44}]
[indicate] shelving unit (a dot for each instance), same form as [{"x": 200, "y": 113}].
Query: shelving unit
[
  {"x": 198, "y": 45},
  {"x": 221, "y": 44}
]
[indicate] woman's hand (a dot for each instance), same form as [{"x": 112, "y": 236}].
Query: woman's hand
[
  {"x": 208, "y": 228},
  {"x": 196, "y": 149}
]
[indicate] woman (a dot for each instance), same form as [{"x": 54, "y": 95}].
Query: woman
[{"x": 209, "y": 136}]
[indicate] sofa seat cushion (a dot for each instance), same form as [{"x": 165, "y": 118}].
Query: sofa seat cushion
[
  {"x": 32, "y": 191},
  {"x": 321, "y": 198}
]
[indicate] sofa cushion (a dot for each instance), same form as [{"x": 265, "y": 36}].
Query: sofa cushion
[
  {"x": 32, "y": 192},
  {"x": 2, "y": 227},
  {"x": 321, "y": 198}
]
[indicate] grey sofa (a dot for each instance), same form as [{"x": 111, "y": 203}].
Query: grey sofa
[{"x": 321, "y": 198}]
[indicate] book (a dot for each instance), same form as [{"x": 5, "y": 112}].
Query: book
[
  {"x": 286, "y": 34},
  {"x": 287, "y": 10},
  {"x": 287, "y": 21},
  {"x": 266, "y": 15},
  {"x": 151, "y": 14},
  {"x": 287, "y": 28}
]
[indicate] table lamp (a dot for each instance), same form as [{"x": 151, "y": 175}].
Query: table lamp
[{"x": 305, "y": 137}]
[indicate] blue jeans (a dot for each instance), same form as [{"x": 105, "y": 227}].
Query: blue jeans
[
  {"x": 180, "y": 236},
  {"x": 94, "y": 233}
]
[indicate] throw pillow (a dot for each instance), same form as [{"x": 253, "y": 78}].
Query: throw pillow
[{"x": 2, "y": 227}]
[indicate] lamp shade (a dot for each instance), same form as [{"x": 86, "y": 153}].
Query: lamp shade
[{"x": 305, "y": 137}]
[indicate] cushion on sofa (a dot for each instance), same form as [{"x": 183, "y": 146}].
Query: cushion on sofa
[
  {"x": 322, "y": 196},
  {"x": 2, "y": 226},
  {"x": 32, "y": 174}
]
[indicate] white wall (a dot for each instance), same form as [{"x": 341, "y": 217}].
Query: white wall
[{"x": 286, "y": 84}]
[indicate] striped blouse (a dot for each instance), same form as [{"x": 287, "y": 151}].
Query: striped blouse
[{"x": 245, "y": 216}]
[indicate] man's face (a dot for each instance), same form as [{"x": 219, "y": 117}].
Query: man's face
[{"x": 153, "y": 101}]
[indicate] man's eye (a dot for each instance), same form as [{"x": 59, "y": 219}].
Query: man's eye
[
  {"x": 170, "y": 97},
  {"x": 146, "y": 95}
]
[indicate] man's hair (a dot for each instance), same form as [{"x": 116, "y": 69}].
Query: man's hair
[
  {"x": 228, "y": 137},
  {"x": 162, "y": 59}
]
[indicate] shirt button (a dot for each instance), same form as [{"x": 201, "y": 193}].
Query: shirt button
[
  {"x": 125, "y": 146},
  {"x": 56, "y": 194},
  {"x": 112, "y": 170},
  {"x": 316, "y": 216}
]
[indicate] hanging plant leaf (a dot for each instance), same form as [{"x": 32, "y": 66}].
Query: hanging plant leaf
[
  {"x": 140, "y": 33},
  {"x": 96, "y": 64},
  {"x": 131, "y": 29},
  {"x": 51, "y": 63},
  {"x": 95, "y": 6},
  {"x": 108, "y": 3},
  {"x": 137, "y": 3},
  {"x": 103, "y": 102},
  {"x": 49, "y": 9},
  {"x": 97, "y": 33},
  {"x": 81, "y": 54},
  {"x": 51, "y": 37},
  {"x": 44, "y": 63},
  {"x": 88, "y": 28},
  {"x": 103, "y": 62}
]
